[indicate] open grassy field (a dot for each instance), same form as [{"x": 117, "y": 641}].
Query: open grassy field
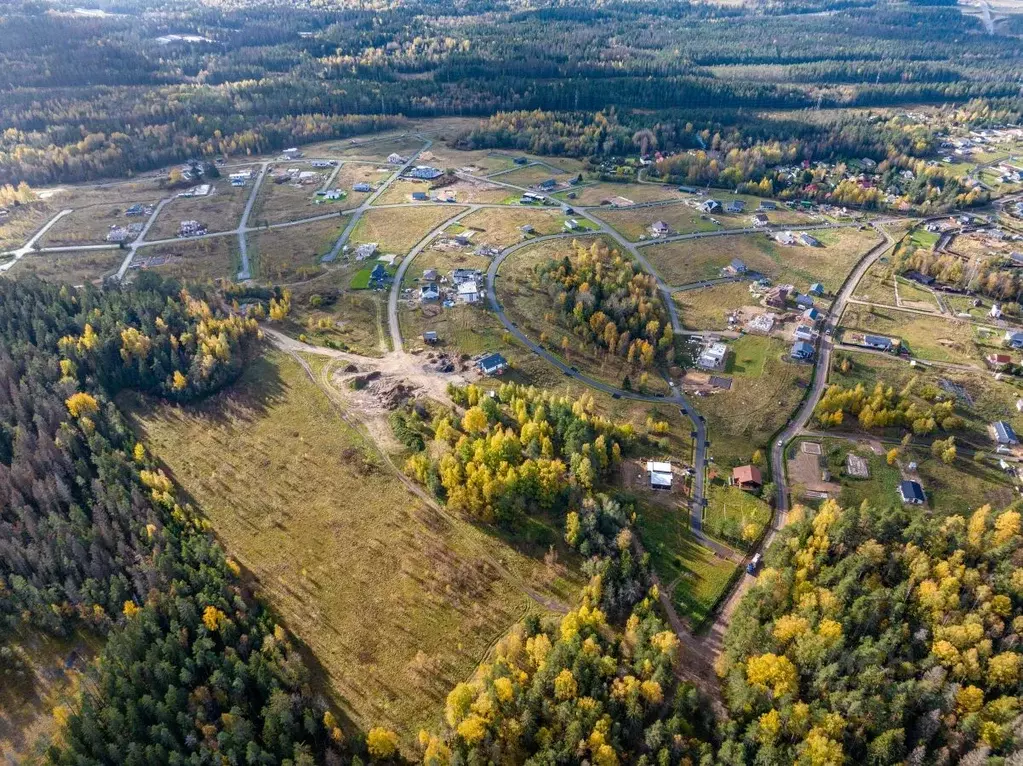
[
  {"x": 28, "y": 705},
  {"x": 25, "y": 221},
  {"x": 694, "y": 260},
  {"x": 279, "y": 203},
  {"x": 89, "y": 224},
  {"x": 530, "y": 175},
  {"x": 74, "y": 268},
  {"x": 481, "y": 161},
  {"x": 708, "y": 307},
  {"x": 501, "y": 227},
  {"x": 912, "y": 295},
  {"x": 634, "y": 223},
  {"x": 294, "y": 252},
  {"x": 400, "y": 191},
  {"x": 766, "y": 387},
  {"x": 395, "y": 601},
  {"x": 876, "y": 285},
  {"x": 529, "y": 308},
  {"x": 399, "y": 230},
  {"x": 734, "y": 515},
  {"x": 933, "y": 338},
  {"x": 880, "y": 489},
  {"x": 596, "y": 194},
  {"x": 376, "y": 148},
  {"x": 221, "y": 210},
  {"x": 213, "y": 258},
  {"x": 694, "y": 575},
  {"x": 355, "y": 319}
]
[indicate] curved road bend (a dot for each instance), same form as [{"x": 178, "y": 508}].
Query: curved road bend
[{"x": 678, "y": 398}]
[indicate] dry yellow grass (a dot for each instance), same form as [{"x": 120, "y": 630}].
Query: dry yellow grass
[
  {"x": 597, "y": 193},
  {"x": 399, "y": 229},
  {"x": 213, "y": 258},
  {"x": 69, "y": 268},
  {"x": 221, "y": 210},
  {"x": 294, "y": 252},
  {"x": 707, "y": 308},
  {"x": 396, "y": 602},
  {"x": 503, "y": 227}
]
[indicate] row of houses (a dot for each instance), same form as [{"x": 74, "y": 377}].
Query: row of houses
[{"x": 465, "y": 286}]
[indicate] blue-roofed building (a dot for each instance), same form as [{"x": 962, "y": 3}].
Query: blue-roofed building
[
  {"x": 911, "y": 492},
  {"x": 548, "y": 185},
  {"x": 735, "y": 206},
  {"x": 362, "y": 186},
  {"x": 492, "y": 364},
  {"x": 735, "y": 267},
  {"x": 812, "y": 315},
  {"x": 802, "y": 350},
  {"x": 520, "y": 160},
  {"x": 379, "y": 273},
  {"x": 420, "y": 196},
  {"x": 1014, "y": 339},
  {"x": 424, "y": 172},
  {"x": 804, "y": 301},
  {"x": 816, "y": 289},
  {"x": 878, "y": 341},
  {"x": 1004, "y": 433}
]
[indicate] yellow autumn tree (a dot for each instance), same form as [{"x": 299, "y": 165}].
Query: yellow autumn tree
[
  {"x": 382, "y": 743},
  {"x": 82, "y": 405}
]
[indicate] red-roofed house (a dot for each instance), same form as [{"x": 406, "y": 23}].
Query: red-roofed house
[{"x": 747, "y": 477}]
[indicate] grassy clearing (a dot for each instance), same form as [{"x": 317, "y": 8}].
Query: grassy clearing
[
  {"x": 202, "y": 259},
  {"x": 634, "y": 224},
  {"x": 911, "y": 295},
  {"x": 220, "y": 211},
  {"x": 90, "y": 225},
  {"x": 690, "y": 261},
  {"x": 502, "y": 227},
  {"x": 27, "y": 705},
  {"x": 937, "y": 339},
  {"x": 483, "y": 161},
  {"x": 598, "y": 193},
  {"x": 694, "y": 575},
  {"x": 399, "y": 230},
  {"x": 879, "y": 489},
  {"x": 378, "y": 147},
  {"x": 280, "y": 203},
  {"x": 766, "y": 387},
  {"x": 730, "y": 511},
  {"x": 962, "y": 486},
  {"x": 396, "y": 602},
  {"x": 292, "y": 253},
  {"x": 532, "y": 175},
  {"x": 708, "y": 307},
  {"x": 355, "y": 319},
  {"x": 923, "y": 238},
  {"x": 24, "y": 222},
  {"x": 69, "y": 268},
  {"x": 400, "y": 191},
  {"x": 876, "y": 285}
]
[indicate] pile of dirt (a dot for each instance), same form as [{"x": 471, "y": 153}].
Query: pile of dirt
[
  {"x": 390, "y": 395},
  {"x": 360, "y": 382},
  {"x": 439, "y": 363}
]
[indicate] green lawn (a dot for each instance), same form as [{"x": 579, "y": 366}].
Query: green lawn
[
  {"x": 695, "y": 576},
  {"x": 360, "y": 280},
  {"x": 734, "y": 516}
]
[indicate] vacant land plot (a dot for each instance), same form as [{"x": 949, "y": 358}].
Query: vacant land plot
[
  {"x": 23, "y": 222},
  {"x": 694, "y": 260},
  {"x": 396, "y": 601},
  {"x": 937, "y": 339},
  {"x": 444, "y": 262},
  {"x": 502, "y": 227},
  {"x": 913, "y": 296},
  {"x": 73, "y": 268},
  {"x": 378, "y": 148},
  {"x": 279, "y": 203},
  {"x": 352, "y": 320},
  {"x": 479, "y": 161},
  {"x": 399, "y": 230},
  {"x": 695, "y": 576},
  {"x": 89, "y": 225},
  {"x": 733, "y": 515},
  {"x": 634, "y": 223},
  {"x": 401, "y": 191},
  {"x": 212, "y": 258},
  {"x": 221, "y": 210},
  {"x": 600, "y": 193},
  {"x": 876, "y": 285},
  {"x": 962, "y": 486},
  {"x": 766, "y": 388},
  {"x": 352, "y": 173},
  {"x": 531, "y": 175},
  {"x": 293, "y": 252},
  {"x": 709, "y": 307}
]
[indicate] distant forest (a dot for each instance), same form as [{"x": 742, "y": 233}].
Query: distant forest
[{"x": 85, "y": 96}]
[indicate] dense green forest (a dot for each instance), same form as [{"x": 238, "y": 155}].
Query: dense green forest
[
  {"x": 94, "y": 537},
  {"x": 86, "y": 96}
]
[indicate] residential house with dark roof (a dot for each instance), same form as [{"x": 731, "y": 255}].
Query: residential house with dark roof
[
  {"x": 492, "y": 364},
  {"x": 911, "y": 492},
  {"x": 1004, "y": 433},
  {"x": 801, "y": 350}
]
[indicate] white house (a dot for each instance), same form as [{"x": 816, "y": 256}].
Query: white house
[
  {"x": 660, "y": 474},
  {"x": 468, "y": 292},
  {"x": 713, "y": 357}
]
